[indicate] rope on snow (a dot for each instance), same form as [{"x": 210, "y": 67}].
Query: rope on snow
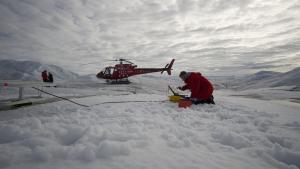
[
  {"x": 138, "y": 101},
  {"x": 60, "y": 97}
]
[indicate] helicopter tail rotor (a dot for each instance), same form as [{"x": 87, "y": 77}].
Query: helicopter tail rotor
[{"x": 168, "y": 67}]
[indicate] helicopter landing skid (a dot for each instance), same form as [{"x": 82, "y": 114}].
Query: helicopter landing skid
[{"x": 118, "y": 81}]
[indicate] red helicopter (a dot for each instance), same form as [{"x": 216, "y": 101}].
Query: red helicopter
[{"x": 120, "y": 72}]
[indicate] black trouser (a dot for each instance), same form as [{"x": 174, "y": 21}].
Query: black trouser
[{"x": 209, "y": 101}]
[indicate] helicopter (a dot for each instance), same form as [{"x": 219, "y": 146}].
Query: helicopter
[{"x": 120, "y": 72}]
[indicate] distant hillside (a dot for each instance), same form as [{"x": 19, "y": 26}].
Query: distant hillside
[
  {"x": 268, "y": 79},
  {"x": 30, "y": 70},
  {"x": 290, "y": 78},
  {"x": 262, "y": 75}
]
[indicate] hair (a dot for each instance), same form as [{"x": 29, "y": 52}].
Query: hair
[{"x": 182, "y": 73}]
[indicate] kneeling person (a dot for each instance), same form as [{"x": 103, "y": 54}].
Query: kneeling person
[{"x": 201, "y": 89}]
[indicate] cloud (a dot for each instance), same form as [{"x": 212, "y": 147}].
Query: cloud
[{"x": 199, "y": 34}]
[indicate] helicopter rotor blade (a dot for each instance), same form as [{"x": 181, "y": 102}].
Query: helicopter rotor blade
[
  {"x": 111, "y": 59},
  {"x": 128, "y": 61},
  {"x": 121, "y": 60},
  {"x": 89, "y": 63}
]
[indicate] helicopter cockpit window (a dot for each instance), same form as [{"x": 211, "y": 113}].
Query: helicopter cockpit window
[{"x": 108, "y": 71}]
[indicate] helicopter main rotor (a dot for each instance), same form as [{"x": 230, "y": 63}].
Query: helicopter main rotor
[{"x": 121, "y": 60}]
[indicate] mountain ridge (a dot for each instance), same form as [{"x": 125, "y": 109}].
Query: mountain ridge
[
  {"x": 263, "y": 79},
  {"x": 31, "y": 70}
]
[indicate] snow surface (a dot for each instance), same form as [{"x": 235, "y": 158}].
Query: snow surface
[{"x": 135, "y": 126}]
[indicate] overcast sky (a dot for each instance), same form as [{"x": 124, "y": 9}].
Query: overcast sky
[{"x": 210, "y": 36}]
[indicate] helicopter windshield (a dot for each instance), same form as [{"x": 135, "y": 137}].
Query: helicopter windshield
[{"x": 108, "y": 71}]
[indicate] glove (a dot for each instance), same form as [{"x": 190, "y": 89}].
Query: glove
[{"x": 180, "y": 88}]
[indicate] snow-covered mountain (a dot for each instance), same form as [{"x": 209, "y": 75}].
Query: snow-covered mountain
[
  {"x": 30, "y": 70},
  {"x": 264, "y": 79},
  {"x": 291, "y": 78},
  {"x": 261, "y": 76}
]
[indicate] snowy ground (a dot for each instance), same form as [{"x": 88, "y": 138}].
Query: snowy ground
[{"x": 134, "y": 126}]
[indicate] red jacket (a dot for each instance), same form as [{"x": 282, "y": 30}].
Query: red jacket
[
  {"x": 44, "y": 76},
  {"x": 199, "y": 86}
]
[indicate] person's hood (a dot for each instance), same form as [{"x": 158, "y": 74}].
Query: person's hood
[{"x": 189, "y": 75}]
